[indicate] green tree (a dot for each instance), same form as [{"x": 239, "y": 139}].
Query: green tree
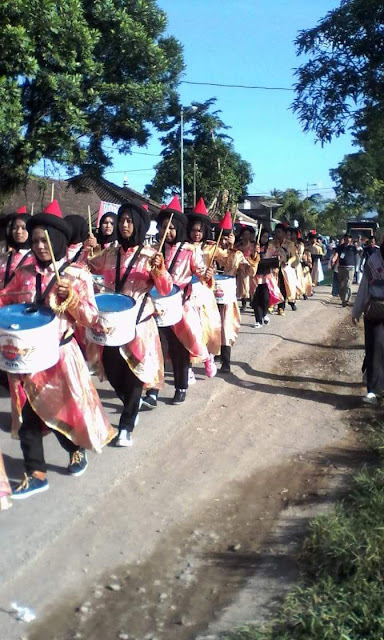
[
  {"x": 295, "y": 207},
  {"x": 77, "y": 73},
  {"x": 341, "y": 86},
  {"x": 210, "y": 160}
]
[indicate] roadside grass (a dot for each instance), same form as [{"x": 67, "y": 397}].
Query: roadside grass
[{"x": 341, "y": 595}]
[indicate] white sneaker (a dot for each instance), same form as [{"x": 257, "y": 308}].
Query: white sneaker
[
  {"x": 266, "y": 320},
  {"x": 124, "y": 439},
  {"x": 370, "y": 398},
  {"x": 191, "y": 377},
  {"x": 257, "y": 325}
]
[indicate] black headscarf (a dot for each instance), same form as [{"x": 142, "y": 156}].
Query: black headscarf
[
  {"x": 59, "y": 234},
  {"x": 141, "y": 221},
  {"x": 79, "y": 228},
  {"x": 9, "y": 237},
  {"x": 103, "y": 239},
  {"x": 205, "y": 227},
  {"x": 178, "y": 221}
]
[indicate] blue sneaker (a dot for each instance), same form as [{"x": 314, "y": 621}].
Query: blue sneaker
[
  {"x": 28, "y": 487},
  {"x": 78, "y": 463}
]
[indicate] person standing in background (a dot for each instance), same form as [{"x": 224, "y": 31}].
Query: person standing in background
[{"x": 345, "y": 257}]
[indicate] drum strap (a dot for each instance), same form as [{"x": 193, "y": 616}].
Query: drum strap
[
  {"x": 41, "y": 297},
  {"x": 119, "y": 284},
  {"x": 77, "y": 254},
  {"x": 141, "y": 310},
  {"x": 172, "y": 265},
  {"x": 8, "y": 276}
]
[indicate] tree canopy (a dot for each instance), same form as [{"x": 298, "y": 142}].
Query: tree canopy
[
  {"x": 77, "y": 73},
  {"x": 341, "y": 86},
  {"x": 210, "y": 159}
]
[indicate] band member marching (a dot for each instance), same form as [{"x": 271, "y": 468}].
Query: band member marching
[
  {"x": 230, "y": 262},
  {"x": 61, "y": 398},
  {"x": 132, "y": 269},
  {"x": 205, "y": 301},
  {"x": 185, "y": 339},
  {"x": 20, "y": 254}
]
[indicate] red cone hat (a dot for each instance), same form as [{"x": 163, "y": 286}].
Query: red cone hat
[
  {"x": 226, "y": 222},
  {"x": 21, "y": 210},
  {"x": 54, "y": 209},
  {"x": 173, "y": 207},
  {"x": 200, "y": 213},
  {"x": 51, "y": 217},
  {"x": 200, "y": 208}
]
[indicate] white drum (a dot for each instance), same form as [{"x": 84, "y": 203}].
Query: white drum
[
  {"x": 197, "y": 292},
  {"x": 168, "y": 309},
  {"x": 225, "y": 289},
  {"x": 29, "y": 338},
  {"x": 117, "y": 316}
]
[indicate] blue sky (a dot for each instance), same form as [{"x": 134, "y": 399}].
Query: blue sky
[{"x": 247, "y": 42}]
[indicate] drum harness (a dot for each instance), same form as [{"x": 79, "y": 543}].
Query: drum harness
[
  {"x": 8, "y": 276},
  {"x": 41, "y": 298},
  {"x": 119, "y": 284},
  {"x": 188, "y": 288}
]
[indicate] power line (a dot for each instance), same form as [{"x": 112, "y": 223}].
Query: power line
[
  {"x": 237, "y": 86},
  {"x": 132, "y": 170}
]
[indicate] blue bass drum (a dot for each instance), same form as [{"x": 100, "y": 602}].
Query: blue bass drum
[
  {"x": 29, "y": 338},
  {"x": 117, "y": 319},
  {"x": 225, "y": 289},
  {"x": 168, "y": 309}
]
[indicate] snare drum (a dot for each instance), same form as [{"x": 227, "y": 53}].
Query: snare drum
[
  {"x": 225, "y": 289},
  {"x": 117, "y": 314},
  {"x": 29, "y": 338},
  {"x": 168, "y": 309}
]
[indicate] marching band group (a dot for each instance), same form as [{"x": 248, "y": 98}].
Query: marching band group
[{"x": 179, "y": 298}]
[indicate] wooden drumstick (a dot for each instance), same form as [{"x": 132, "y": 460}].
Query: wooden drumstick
[
  {"x": 32, "y": 208},
  {"x": 165, "y": 233},
  {"x": 53, "y": 192},
  {"x": 259, "y": 234},
  {"x": 215, "y": 249},
  {"x": 90, "y": 228},
  {"x": 52, "y": 257}
]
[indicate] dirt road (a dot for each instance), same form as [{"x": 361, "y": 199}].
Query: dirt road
[{"x": 155, "y": 542}]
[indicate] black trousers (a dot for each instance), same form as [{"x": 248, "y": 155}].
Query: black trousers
[
  {"x": 31, "y": 441},
  {"x": 179, "y": 356},
  {"x": 128, "y": 387},
  {"x": 260, "y": 302}
]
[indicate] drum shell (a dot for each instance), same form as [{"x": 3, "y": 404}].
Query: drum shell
[
  {"x": 266, "y": 264},
  {"x": 168, "y": 309},
  {"x": 225, "y": 289},
  {"x": 121, "y": 325},
  {"x": 28, "y": 351}
]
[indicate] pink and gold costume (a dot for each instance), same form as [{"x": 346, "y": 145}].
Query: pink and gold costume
[
  {"x": 5, "y": 489},
  {"x": 8, "y": 265},
  {"x": 206, "y": 304},
  {"x": 64, "y": 396},
  {"x": 243, "y": 281},
  {"x": 189, "y": 330},
  {"x": 231, "y": 262},
  {"x": 143, "y": 355}
]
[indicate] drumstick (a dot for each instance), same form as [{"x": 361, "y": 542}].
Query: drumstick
[
  {"x": 53, "y": 192},
  {"x": 259, "y": 234},
  {"x": 90, "y": 228},
  {"x": 215, "y": 249},
  {"x": 32, "y": 207},
  {"x": 52, "y": 257},
  {"x": 89, "y": 220},
  {"x": 165, "y": 233}
]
